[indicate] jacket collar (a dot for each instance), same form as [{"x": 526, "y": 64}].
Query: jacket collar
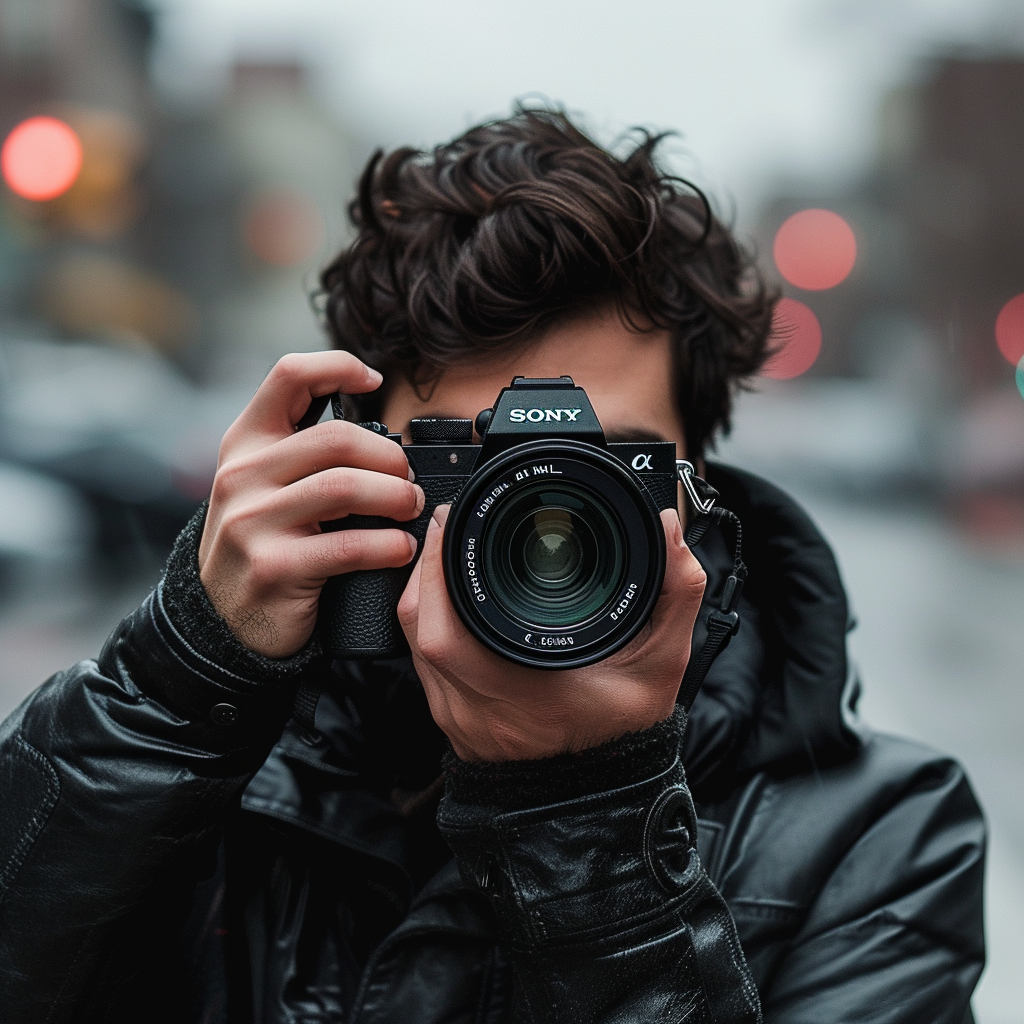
[{"x": 780, "y": 696}]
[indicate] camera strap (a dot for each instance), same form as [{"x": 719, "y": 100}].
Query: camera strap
[{"x": 723, "y": 621}]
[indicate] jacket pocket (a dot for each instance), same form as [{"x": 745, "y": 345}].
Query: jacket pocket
[{"x": 29, "y": 790}]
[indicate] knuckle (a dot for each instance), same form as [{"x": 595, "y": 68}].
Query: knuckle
[
  {"x": 229, "y": 477},
  {"x": 265, "y": 569},
  {"x": 288, "y": 368},
  {"x": 227, "y": 444},
  {"x": 408, "y": 608},
  {"x": 236, "y": 522},
  {"x": 696, "y": 578},
  {"x": 444, "y": 719},
  {"x": 347, "y": 545},
  {"x": 410, "y": 498},
  {"x": 333, "y": 486},
  {"x": 398, "y": 548},
  {"x": 434, "y": 649},
  {"x": 335, "y": 437},
  {"x": 348, "y": 362},
  {"x": 386, "y": 456}
]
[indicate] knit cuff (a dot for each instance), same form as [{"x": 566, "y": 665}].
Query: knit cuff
[
  {"x": 192, "y": 614},
  {"x": 518, "y": 785}
]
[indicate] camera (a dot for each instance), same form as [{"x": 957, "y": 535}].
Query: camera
[{"x": 554, "y": 552}]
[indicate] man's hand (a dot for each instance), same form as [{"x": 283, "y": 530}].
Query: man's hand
[
  {"x": 494, "y": 710},
  {"x": 263, "y": 557}
]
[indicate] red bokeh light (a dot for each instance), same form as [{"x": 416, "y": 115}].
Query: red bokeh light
[
  {"x": 815, "y": 249},
  {"x": 795, "y": 326},
  {"x": 41, "y": 158},
  {"x": 1010, "y": 330}
]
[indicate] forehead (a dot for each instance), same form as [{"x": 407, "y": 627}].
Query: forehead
[{"x": 626, "y": 374}]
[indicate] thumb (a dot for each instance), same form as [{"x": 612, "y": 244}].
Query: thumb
[{"x": 685, "y": 579}]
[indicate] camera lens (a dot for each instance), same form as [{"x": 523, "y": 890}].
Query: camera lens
[{"x": 554, "y": 555}]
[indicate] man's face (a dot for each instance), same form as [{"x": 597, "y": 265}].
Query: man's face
[{"x": 627, "y": 376}]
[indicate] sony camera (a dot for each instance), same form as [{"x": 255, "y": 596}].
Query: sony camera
[{"x": 554, "y": 552}]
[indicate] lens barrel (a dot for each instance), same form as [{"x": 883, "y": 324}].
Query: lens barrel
[{"x": 554, "y": 554}]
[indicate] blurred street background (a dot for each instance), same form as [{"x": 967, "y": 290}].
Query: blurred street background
[{"x": 175, "y": 172}]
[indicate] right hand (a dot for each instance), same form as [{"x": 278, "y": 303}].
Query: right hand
[{"x": 263, "y": 557}]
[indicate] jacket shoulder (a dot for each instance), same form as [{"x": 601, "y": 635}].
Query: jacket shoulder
[
  {"x": 820, "y": 867},
  {"x": 781, "y": 836}
]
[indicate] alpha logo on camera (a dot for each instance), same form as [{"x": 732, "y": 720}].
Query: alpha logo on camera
[{"x": 543, "y": 415}]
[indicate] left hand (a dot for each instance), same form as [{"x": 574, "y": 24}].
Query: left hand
[{"x": 492, "y": 709}]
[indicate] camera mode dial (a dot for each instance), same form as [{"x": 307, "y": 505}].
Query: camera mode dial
[{"x": 441, "y": 431}]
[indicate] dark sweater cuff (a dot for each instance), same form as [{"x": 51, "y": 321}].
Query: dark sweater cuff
[
  {"x": 192, "y": 614},
  {"x": 518, "y": 785}
]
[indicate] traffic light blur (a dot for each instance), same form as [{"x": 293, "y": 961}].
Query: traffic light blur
[{"x": 96, "y": 197}]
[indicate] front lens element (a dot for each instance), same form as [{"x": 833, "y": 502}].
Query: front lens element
[
  {"x": 552, "y": 552},
  {"x": 554, "y": 556}
]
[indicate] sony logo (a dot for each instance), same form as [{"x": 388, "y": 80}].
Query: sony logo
[{"x": 545, "y": 415}]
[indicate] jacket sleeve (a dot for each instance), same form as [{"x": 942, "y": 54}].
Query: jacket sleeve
[
  {"x": 895, "y": 935},
  {"x": 603, "y": 904},
  {"x": 115, "y": 779}
]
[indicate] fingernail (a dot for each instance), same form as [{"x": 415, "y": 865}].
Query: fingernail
[
  {"x": 412, "y": 475},
  {"x": 374, "y": 376},
  {"x": 433, "y": 524},
  {"x": 412, "y": 544},
  {"x": 421, "y": 499},
  {"x": 440, "y": 514}
]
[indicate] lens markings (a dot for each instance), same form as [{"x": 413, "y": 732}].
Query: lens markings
[{"x": 624, "y": 603}]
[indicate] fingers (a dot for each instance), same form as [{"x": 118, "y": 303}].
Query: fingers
[
  {"x": 324, "y": 446},
  {"x": 335, "y": 493},
  {"x": 339, "y": 551},
  {"x": 285, "y": 395}
]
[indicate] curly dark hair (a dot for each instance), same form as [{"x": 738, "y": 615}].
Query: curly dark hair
[{"x": 519, "y": 223}]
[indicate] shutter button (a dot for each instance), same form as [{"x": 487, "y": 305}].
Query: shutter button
[{"x": 224, "y": 714}]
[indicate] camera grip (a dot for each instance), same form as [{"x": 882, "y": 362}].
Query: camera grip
[{"x": 358, "y": 615}]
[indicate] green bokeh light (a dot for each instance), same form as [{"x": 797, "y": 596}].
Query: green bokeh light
[{"x": 1020, "y": 377}]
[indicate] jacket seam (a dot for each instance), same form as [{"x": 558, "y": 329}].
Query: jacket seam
[{"x": 40, "y": 815}]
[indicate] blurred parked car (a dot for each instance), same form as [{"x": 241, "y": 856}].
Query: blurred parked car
[{"x": 121, "y": 428}]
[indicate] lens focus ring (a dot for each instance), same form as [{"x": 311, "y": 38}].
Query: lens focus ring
[{"x": 554, "y": 554}]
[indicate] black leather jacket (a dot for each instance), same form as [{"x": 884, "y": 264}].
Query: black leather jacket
[{"x": 167, "y": 853}]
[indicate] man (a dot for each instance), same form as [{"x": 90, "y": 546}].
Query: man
[{"x": 177, "y": 846}]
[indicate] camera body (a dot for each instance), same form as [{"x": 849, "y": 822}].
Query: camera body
[{"x": 554, "y": 552}]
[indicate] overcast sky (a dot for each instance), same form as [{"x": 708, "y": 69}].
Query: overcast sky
[{"x": 759, "y": 89}]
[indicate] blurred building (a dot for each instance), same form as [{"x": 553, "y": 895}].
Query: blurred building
[
  {"x": 297, "y": 170},
  {"x": 939, "y": 223},
  {"x": 142, "y": 305}
]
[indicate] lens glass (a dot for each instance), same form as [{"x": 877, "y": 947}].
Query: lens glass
[{"x": 554, "y": 556}]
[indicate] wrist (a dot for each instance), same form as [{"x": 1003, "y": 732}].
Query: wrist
[
  {"x": 534, "y": 738},
  {"x": 190, "y": 610},
  {"x": 533, "y": 782}
]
